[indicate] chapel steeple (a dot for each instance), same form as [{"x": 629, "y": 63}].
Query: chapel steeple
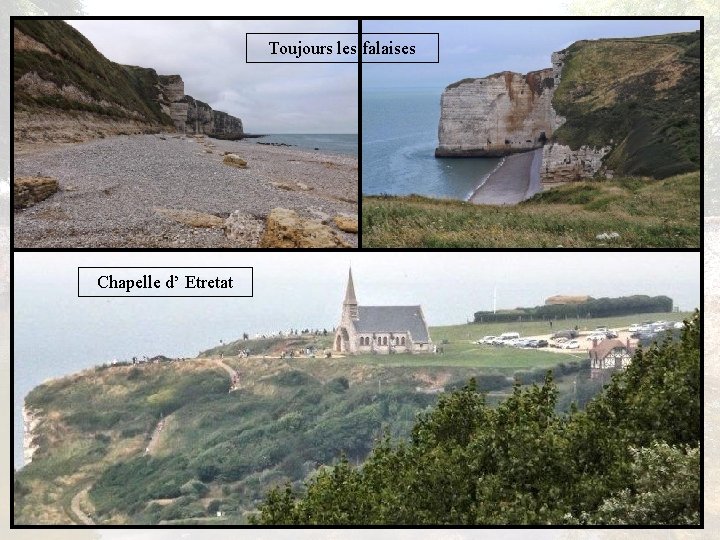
[{"x": 350, "y": 305}]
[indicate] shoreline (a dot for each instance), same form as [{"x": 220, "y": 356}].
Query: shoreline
[
  {"x": 135, "y": 191},
  {"x": 484, "y": 179}
]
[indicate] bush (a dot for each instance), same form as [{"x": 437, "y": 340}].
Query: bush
[
  {"x": 213, "y": 506},
  {"x": 207, "y": 473},
  {"x": 338, "y": 385}
]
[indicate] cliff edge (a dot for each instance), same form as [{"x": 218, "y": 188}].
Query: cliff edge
[
  {"x": 609, "y": 106},
  {"x": 64, "y": 90}
]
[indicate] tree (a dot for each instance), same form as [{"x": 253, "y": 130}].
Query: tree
[{"x": 522, "y": 463}]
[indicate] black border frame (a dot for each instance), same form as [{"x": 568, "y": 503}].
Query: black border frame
[{"x": 700, "y": 249}]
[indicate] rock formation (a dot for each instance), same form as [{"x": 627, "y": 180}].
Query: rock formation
[
  {"x": 560, "y": 163},
  {"x": 286, "y": 229},
  {"x": 28, "y": 191},
  {"x": 497, "y": 115}
]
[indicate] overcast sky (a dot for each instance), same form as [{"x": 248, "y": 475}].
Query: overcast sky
[
  {"x": 299, "y": 289},
  {"x": 479, "y": 48},
  {"x": 210, "y": 57}
]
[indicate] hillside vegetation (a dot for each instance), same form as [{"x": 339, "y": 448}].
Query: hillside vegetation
[
  {"x": 592, "y": 307},
  {"x": 72, "y": 61},
  {"x": 641, "y": 96},
  {"x": 170, "y": 443},
  {"x": 644, "y": 212},
  {"x": 631, "y": 458}
]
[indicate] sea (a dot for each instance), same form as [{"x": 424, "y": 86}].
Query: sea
[
  {"x": 333, "y": 143},
  {"x": 399, "y": 137}
]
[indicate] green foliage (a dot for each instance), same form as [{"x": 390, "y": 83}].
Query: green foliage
[
  {"x": 338, "y": 385},
  {"x": 128, "y": 90},
  {"x": 664, "y": 490},
  {"x": 639, "y": 96},
  {"x": 631, "y": 458},
  {"x": 594, "y": 307},
  {"x": 294, "y": 378}
]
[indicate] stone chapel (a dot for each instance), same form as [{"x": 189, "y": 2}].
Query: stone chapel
[{"x": 380, "y": 329}]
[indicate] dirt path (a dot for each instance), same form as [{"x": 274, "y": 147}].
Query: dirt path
[
  {"x": 152, "y": 445},
  {"x": 234, "y": 377},
  {"x": 81, "y": 516}
]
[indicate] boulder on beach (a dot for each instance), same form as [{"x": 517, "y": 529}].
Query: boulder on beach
[
  {"x": 346, "y": 223},
  {"x": 234, "y": 161},
  {"x": 30, "y": 190},
  {"x": 286, "y": 229},
  {"x": 244, "y": 229}
]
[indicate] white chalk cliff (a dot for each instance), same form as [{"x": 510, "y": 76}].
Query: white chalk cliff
[{"x": 507, "y": 113}]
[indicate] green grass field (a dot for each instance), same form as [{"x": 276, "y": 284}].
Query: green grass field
[
  {"x": 473, "y": 332},
  {"x": 645, "y": 213}
]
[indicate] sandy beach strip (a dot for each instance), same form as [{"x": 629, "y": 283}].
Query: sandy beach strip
[
  {"x": 516, "y": 179},
  {"x": 111, "y": 190}
]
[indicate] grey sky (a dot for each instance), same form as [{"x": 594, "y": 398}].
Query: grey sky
[
  {"x": 479, "y": 48},
  {"x": 299, "y": 289},
  {"x": 210, "y": 57}
]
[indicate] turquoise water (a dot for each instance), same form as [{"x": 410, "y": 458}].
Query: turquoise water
[
  {"x": 333, "y": 143},
  {"x": 399, "y": 137}
]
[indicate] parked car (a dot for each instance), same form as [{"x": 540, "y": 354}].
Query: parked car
[
  {"x": 633, "y": 328},
  {"x": 532, "y": 343},
  {"x": 598, "y": 337},
  {"x": 573, "y": 344},
  {"x": 679, "y": 325},
  {"x": 611, "y": 334},
  {"x": 601, "y": 329},
  {"x": 567, "y": 334},
  {"x": 488, "y": 339},
  {"x": 541, "y": 343},
  {"x": 557, "y": 343}
]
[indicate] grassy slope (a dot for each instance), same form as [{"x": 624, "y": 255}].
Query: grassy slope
[
  {"x": 287, "y": 418},
  {"x": 82, "y": 66},
  {"x": 646, "y": 213},
  {"x": 95, "y": 418},
  {"x": 641, "y": 95}
]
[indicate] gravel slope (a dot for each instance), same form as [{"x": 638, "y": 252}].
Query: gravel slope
[
  {"x": 110, "y": 187},
  {"x": 517, "y": 179}
]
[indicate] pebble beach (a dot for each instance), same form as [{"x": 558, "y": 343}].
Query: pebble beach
[{"x": 136, "y": 191}]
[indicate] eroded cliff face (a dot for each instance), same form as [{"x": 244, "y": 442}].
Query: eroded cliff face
[
  {"x": 66, "y": 91},
  {"x": 507, "y": 113},
  {"x": 497, "y": 115},
  {"x": 191, "y": 115},
  {"x": 560, "y": 163}
]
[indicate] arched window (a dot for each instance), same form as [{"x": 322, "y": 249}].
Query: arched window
[
  {"x": 367, "y": 341},
  {"x": 397, "y": 341},
  {"x": 402, "y": 341},
  {"x": 385, "y": 340}
]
